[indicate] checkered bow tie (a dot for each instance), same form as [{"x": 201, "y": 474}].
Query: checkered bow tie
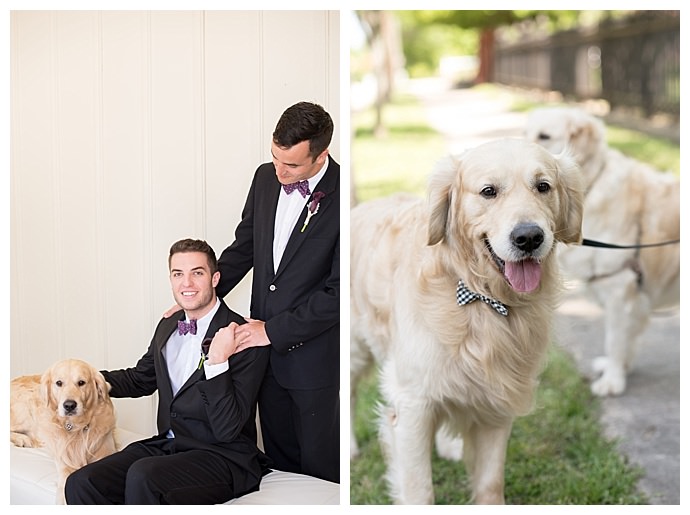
[
  {"x": 186, "y": 327},
  {"x": 301, "y": 186},
  {"x": 465, "y": 296}
]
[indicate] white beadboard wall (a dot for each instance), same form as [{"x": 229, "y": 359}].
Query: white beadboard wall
[{"x": 131, "y": 130}]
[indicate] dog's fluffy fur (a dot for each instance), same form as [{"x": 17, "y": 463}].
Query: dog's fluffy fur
[
  {"x": 67, "y": 410},
  {"x": 626, "y": 202},
  {"x": 465, "y": 369}
]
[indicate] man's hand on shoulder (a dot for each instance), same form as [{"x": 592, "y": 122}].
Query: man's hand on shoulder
[
  {"x": 251, "y": 334},
  {"x": 172, "y": 311},
  {"x": 223, "y": 344}
]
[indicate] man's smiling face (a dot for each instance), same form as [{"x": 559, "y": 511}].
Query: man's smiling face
[{"x": 192, "y": 282}]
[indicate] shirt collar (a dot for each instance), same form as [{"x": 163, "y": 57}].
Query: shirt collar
[{"x": 203, "y": 323}]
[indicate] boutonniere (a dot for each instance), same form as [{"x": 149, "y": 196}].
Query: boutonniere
[
  {"x": 205, "y": 346},
  {"x": 313, "y": 207}
]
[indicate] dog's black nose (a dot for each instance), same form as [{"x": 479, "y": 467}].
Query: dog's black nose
[
  {"x": 69, "y": 406},
  {"x": 527, "y": 237}
]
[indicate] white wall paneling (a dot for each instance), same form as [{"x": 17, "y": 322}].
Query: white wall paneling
[{"x": 131, "y": 130}]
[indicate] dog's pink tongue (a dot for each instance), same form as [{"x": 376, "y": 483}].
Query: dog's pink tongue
[{"x": 523, "y": 276}]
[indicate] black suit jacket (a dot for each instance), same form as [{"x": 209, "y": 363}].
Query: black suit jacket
[
  {"x": 216, "y": 414},
  {"x": 300, "y": 303}
]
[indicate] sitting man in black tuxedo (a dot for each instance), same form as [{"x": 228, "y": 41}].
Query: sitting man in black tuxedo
[{"x": 205, "y": 451}]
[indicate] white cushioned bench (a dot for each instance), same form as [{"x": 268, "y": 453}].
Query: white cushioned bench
[{"x": 33, "y": 480}]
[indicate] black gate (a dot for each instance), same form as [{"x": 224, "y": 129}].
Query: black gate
[{"x": 633, "y": 63}]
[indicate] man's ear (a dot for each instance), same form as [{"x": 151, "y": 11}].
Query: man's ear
[
  {"x": 215, "y": 279},
  {"x": 321, "y": 158}
]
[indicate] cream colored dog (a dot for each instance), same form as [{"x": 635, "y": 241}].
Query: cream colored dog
[
  {"x": 67, "y": 410},
  {"x": 626, "y": 203},
  {"x": 492, "y": 221}
]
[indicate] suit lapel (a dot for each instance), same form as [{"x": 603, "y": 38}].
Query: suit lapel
[
  {"x": 168, "y": 329},
  {"x": 267, "y": 225},
  {"x": 220, "y": 319},
  {"x": 326, "y": 185},
  {"x": 166, "y": 332}
]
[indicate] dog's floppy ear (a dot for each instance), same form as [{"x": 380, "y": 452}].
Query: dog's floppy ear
[
  {"x": 102, "y": 386},
  {"x": 439, "y": 197},
  {"x": 581, "y": 120},
  {"x": 587, "y": 134},
  {"x": 577, "y": 123},
  {"x": 571, "y": 197},
  {"x": 45, "y": 389}
]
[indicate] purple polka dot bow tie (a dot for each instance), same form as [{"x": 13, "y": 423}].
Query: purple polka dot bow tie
[
  {"x": 301, "y": 186},
  {"x": 186, "y": 327}
]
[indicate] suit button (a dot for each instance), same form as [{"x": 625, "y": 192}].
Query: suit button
[
  {"x": 272, "y": 287},
  {"x": 173, "y": 414}
]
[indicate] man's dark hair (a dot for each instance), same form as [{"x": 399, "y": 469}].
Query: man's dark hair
[
  {"x": 189, "y": 245},
  {"x": 301, "y": 122}
]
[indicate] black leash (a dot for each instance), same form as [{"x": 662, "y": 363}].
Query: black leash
[{"x": 599, "y": 244}]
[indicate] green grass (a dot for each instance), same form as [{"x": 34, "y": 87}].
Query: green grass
[
  {"x": 399, "y": 161},
  {"x": 556, "y": 455},
  {"x": 662, "y": 154}
]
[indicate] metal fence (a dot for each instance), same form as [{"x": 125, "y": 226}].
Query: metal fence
[{"x": 633, "y": 63}]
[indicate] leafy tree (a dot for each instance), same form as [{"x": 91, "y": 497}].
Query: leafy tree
[
  {"x": 383, "y": 37},
  {"x": 486, "y": 23}
]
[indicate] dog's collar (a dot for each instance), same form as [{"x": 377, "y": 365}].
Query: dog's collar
[{"x": 69, "y": 426}]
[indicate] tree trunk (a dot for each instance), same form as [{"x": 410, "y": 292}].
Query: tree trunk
[{"x": 486, "y": 56}]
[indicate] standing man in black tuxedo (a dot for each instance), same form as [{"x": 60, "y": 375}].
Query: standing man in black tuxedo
[
  {"x": 205, "y": 451},
  {"x": 290, "y": 236}
]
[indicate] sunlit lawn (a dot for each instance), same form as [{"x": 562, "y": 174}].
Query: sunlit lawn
[{"x": 400, "y": 161}]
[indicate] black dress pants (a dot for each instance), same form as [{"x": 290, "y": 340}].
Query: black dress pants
[
  {"x": 301, "y": 429},
  {"x": 150, "y": 472}
]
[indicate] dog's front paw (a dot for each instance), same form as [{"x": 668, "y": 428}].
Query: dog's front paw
[
  {"x": 612, "y": 379},
  {"x": 22, "y": 440}
]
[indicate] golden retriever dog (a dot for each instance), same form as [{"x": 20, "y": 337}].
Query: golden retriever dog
[
  {"x": 68, "y": 411},
  {"x": 493, "y": 218},
  {"x": 626, "y": 203}
]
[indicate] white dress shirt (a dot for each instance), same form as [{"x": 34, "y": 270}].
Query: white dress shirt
[
  {"x": 182, "y": 353},
  {"x": 288, "y": 211}
]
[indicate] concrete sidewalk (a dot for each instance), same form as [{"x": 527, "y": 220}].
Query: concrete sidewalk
[{"x": 645, "y": 420}]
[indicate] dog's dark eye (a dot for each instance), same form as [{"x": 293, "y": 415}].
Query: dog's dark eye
[
  {"x": 58, "y": 383},
  {"x": 542, "y": 136},
  {"x": 81, "y": 382},
  {"x": 543, "y": 187},
  {"x": 488, "y": 192}
]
